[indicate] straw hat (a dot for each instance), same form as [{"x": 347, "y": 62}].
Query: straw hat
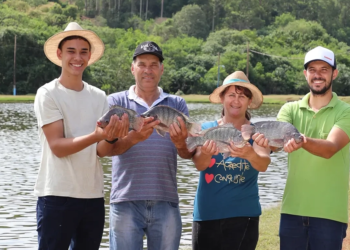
[
  {"x": 238, "y": 78},
  {"x": 74, "y": 29}
]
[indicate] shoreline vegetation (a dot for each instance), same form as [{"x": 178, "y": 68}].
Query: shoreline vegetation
[{"x": 268, "y": 99}]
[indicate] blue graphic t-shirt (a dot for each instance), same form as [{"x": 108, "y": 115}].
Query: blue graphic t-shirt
[{"x": 227, "y": 188}]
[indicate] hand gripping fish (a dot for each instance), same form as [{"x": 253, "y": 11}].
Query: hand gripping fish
[
  {"x": 278, "y": 133},
  {"x": 167, "y": 116},
  {"x": 135, "y": 121}
]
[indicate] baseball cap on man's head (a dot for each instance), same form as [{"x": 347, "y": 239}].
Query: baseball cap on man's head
[
  {"x": 149, "y": 48},
  {"x": 320, "y": 54}
]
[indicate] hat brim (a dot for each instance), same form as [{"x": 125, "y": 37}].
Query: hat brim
[
  {"x": 257, "y": 98},
  {"x": 51, "y": 45},
  {"x": 333, "y": 66}
]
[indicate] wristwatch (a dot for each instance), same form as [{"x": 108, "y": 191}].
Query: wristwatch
[{"x": 112, "y": 142}]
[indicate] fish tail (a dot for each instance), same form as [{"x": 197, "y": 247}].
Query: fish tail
[
  {"x": 247, "y": 131},
  {"x": 193, "y": 142},
  {"x": 138, "y": 123},
  {"x": 195, "y": 128}
]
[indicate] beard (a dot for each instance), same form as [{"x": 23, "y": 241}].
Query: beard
[{"x": 321, "y": 91}]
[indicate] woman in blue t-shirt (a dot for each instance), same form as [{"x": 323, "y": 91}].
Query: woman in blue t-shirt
[{"x": 227, "y": 208}]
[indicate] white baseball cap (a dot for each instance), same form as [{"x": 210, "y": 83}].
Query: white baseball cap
[{"x": 320, "y": 54}]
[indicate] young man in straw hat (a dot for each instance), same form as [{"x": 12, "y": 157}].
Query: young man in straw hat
[
  {"x": 315, "y": 202},
  {"x": 70, "y": 206},
  {"x": 144, "y": 198}
]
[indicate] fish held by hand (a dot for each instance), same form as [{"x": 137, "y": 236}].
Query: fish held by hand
[{"x": 135, "y": 121}]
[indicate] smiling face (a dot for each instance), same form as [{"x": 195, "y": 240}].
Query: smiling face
[
  {"x": 235, "y": 101},
  {"x": 75, "y": 55},
  {"x": 147, "y": 70},
  {"x": 319, "y": 76}
]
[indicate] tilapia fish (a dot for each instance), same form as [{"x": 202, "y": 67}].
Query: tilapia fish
[
  {"x": 135, "y": 121},
  {"x": 278, "y": 133},
  {"x": 222, "y": 135},
  {"x": 167, "y": 116}
]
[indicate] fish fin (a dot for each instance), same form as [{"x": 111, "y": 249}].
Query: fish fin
[
  {"x": 162, "y": 125},
  {"x": 161, "y": 132},
  {"x": 226, "y": 154},
  {"x": 194, "y": 142},
  {"x": 247, "y": 131},
  {"x": 196, "y": 128},
  {"x": 138, "y": 124},
  {"x": 227, "y": 125},
  {"x": 130, "y": 112},
  {"x": 116, "y": 106}
]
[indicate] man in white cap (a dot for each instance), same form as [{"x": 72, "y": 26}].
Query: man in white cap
[
  {"x": 144, "y": 198},
  {"x": 70, "y": 206},
  {"x": 315, "y": 202}
]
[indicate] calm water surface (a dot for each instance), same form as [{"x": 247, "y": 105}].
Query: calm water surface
[{"x": 19, "y": 161}]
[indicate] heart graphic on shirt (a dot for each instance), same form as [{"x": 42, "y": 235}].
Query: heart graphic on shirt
[
  {"x": 212, "y": 162},
  {"x": 209, "y": 177}
]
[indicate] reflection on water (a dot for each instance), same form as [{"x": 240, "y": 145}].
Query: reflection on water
[{"x": 19, "y": 161}]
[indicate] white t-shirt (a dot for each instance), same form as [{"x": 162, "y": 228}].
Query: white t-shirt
[{"x": 79, "y": 175}]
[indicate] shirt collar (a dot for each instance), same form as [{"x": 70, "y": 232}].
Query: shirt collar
[
  {"x": 132, "y": 96},
  {"x": 304, "y": 103}
]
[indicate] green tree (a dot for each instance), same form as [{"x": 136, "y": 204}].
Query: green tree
[{"x": 191, "y": 21}]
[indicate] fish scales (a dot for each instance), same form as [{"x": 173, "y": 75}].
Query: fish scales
[
  {"x": 277, "y": 132},
  {"x": 168, "y": 116},
  {"x": 135, "y": 121},
  {"x": 221, "y": 135}
]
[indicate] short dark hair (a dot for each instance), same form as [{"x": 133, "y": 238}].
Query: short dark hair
[{"x": 68, "y": 38}]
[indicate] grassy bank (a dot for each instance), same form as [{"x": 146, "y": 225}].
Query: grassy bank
[
  {"x": 17, "y": 98},
  {"x": 268, "y": 99}
]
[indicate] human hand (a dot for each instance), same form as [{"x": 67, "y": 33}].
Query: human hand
[
  {"x": 242, "y": 152},
  {"x": 178, "y": 134},
  {"x": 116, "y": 128},
  {"x": 260, "y": 140},
  {"x": 291, "y": 145},
  {"x": 209, "y": 148},
  {"x": 145, "y": 132}
]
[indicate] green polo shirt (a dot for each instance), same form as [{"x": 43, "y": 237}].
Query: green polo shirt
[{"x": 317, "y": 187}]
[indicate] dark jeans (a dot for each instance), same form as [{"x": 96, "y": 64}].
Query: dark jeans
[
  {"x": 239, "y": 233},
  {"x": 298, "y": 232},
  {"x": 65, "y": 221}
]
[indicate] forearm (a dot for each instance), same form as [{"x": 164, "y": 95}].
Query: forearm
[
  {"x": 122, "y": 145},
  {"x": 200, "y": 160},
  {"x": 104, "y": 148},
  {"x": 63, "y": 147},
  {"x": 321, "y": 148},
  {"x": 184, "y": 153},
  {"x": 259, "y": 162}
]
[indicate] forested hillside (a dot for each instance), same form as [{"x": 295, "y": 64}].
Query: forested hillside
[{"x": 196, "y": 36}]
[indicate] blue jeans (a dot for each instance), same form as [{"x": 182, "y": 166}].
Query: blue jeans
[
  {"x": 64, "y": 222},
  {"x": 160, "y": 221},
  {"x": 236, "y": 233},
  {"x": 309, "y": 233}
]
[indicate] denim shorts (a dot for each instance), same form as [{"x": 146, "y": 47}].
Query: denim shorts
[
  {"x": 299, "y": 232},
  {"x": 160, "y": 221},
  {"x": 237, "y": 233}
]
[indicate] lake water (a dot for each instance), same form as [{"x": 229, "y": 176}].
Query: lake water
[{"x": 19, "y": 161}]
